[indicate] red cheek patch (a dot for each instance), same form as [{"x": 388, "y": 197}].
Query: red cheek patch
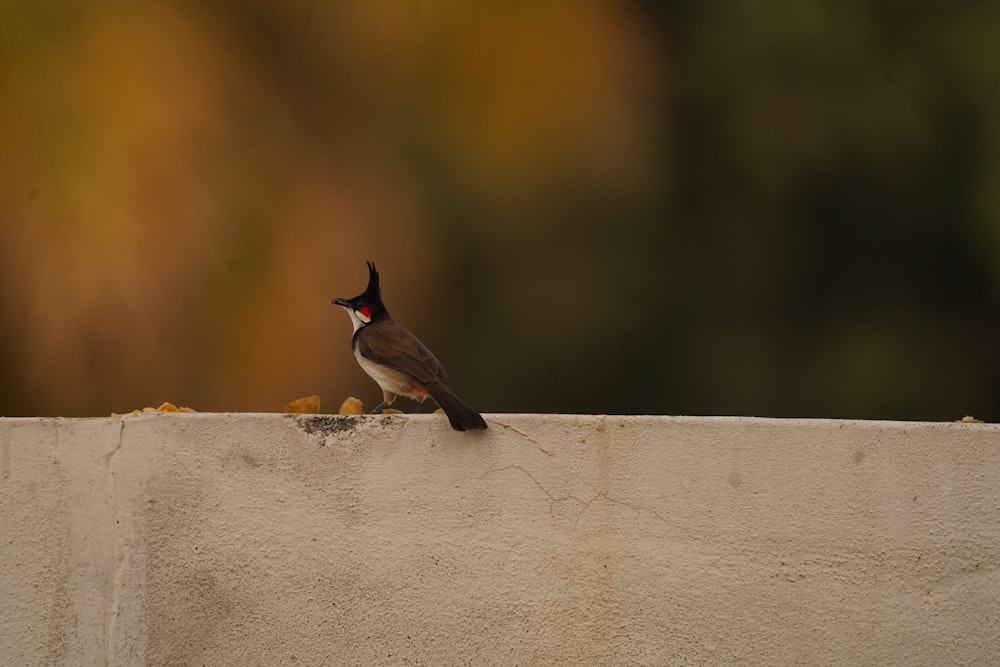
[{"x": 365, "y": 311}]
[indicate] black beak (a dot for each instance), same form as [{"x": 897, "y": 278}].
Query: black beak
[{"x": 342, "y": 302}]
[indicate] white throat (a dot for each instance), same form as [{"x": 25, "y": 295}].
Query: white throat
[{"x": 357, "y": 319}]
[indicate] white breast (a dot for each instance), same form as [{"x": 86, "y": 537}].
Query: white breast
[{"x": 388, "y": 379}]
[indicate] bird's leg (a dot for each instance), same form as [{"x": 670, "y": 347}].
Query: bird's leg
[{"x": 387, "y": 398}]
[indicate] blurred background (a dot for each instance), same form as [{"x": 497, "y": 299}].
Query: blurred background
[{"x": 595, "y": 206}]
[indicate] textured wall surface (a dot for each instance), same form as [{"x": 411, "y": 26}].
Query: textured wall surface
[{"x": 269, "y": 539}]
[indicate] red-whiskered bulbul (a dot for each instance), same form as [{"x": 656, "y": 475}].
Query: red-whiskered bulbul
[{"x": 398, "y": 361}]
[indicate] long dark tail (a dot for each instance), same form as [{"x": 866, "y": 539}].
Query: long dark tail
[{"x": 461, "y": 416}]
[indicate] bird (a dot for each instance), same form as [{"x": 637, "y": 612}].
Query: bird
[{"x": 398, "y": 361}]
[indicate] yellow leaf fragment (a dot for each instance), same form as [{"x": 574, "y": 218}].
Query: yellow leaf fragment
[
  {"x": 166, "y": 406},
  {"x": 351, "y": 406},
  {"x": 304, "y": 405}
]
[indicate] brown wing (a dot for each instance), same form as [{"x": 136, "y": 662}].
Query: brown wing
[{"x": 390, "y": 344}]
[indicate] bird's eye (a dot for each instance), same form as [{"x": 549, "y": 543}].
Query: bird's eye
[{"x": 365, "y": 311}]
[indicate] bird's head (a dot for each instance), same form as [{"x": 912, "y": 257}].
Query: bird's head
[{"x": 366, "y": 307}]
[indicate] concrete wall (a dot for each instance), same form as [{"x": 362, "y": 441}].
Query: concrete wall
[{"x": 191, "y": 539}]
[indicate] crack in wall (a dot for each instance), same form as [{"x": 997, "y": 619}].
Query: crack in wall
[
  {"x": 5, "y": 455},
  {"x": 553, "y": 499},
  {"x": 638, "y": 509},
  {"x": 121, "y": 551},
  {"x": 525, "y": 436}
]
